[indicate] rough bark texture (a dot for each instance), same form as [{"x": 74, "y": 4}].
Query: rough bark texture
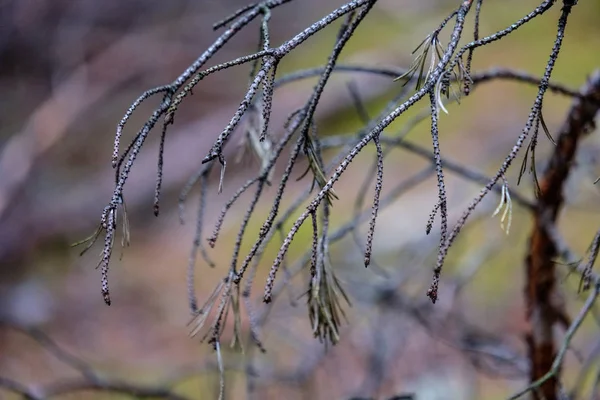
[{"x": 543, "y": 309}]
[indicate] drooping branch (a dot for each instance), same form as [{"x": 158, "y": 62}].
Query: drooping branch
[
  {"x": 534, "y": 115},
  {"x": 446, "y": 71},
  {"x": 431, "y": 82}
]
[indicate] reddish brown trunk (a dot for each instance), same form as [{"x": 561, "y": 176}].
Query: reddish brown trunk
[{"x": 543, "y": 311}]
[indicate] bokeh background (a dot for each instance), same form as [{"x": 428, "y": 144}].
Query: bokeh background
[{"x": 70, "y": 69}]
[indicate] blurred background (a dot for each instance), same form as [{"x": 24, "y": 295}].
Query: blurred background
[{"x": 70, "y": 69}]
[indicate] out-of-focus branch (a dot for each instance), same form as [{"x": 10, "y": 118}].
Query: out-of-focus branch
[
  {"x": 103, "y": 385},
  {"x": 90, "y": 380},
  {"x": 51, "y": 347},
  {"x": 459, "y": 169},
  {"x": 484, "y": 76},
  {"x": 69, "y": 387}
]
